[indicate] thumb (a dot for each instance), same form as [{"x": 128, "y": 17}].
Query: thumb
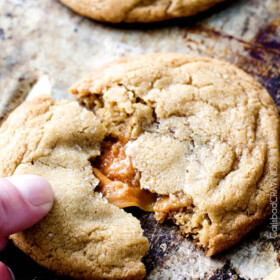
[
  {"x": 5, "y": 272},
  {"x": 24, "y": 200}
]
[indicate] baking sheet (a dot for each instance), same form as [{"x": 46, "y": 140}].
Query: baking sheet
[{"x": 44, "y": 37}]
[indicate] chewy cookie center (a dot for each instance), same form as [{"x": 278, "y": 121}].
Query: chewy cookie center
[{"x": 120, "y": 183}]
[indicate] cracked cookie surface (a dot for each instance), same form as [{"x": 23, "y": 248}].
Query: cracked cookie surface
[
  {"x": 202, "y": 134},
  {"x": 116, "y": 11},
  {"x": 83, "y": 236}
]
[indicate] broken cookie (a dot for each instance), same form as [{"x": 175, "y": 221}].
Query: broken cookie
[
  {"x": 83, "y": 236},
  {"x": 194, "y": 140},
  {"x": 199, "y": 134}
]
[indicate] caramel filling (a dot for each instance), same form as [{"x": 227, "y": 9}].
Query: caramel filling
[
  {"x": 120, "y": 184},
  {"x": 167, "y": 204}
]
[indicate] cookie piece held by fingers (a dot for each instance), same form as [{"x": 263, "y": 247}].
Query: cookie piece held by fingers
[
  {"x": 116, "y": 11},
  {"x": 199, "y": 134},
  {"x": 83, "y": 236}
]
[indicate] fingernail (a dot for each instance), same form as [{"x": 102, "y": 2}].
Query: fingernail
[
  {"x": 36, "y": 190},
  {"x": 12, "y": 274}
]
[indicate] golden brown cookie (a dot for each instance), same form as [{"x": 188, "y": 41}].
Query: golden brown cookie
[
  {"x": 275, "y": 275},
  {"x": 116, "y": 11},
  {"x": 83, "y": 236},
  {"x": 199, "y": 134}
]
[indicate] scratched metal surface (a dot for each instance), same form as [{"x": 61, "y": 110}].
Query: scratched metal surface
[{"x": 43, "y": 37}]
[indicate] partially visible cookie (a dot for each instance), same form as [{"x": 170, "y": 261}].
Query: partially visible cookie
[
  {"x": 275, "y": 275},
  {"x": 200, "y": 134},
  {"x": 83, "y": 236},
  {"x": 116, "y": 11}
]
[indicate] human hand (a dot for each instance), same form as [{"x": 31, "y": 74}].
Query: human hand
[{"x": 24, "y": 200}]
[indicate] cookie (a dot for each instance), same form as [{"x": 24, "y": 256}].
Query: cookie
[
  {"x": 83, "y": 236},
  {"x": 116, "y": 11},
  {"x": 199, "y": 134},
  {"x": 275, "y": 275}
]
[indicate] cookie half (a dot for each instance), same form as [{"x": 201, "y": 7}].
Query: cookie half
[
  {"x": 83, "y": 236},
  {"x": 200, "y": 135},
  {"x": 116, "y": 11}
]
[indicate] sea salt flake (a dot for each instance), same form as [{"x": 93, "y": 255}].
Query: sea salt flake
[{"x": 78, "y": 147}]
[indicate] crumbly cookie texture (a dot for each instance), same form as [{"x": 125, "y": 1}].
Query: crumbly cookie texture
[
  {"x": 83, "y": 236},
  {"x": 198, "y": 128},
  {"x": 116, "y": 11}
]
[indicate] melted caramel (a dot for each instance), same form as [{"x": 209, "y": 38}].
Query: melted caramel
[
  {"x": 172, "y": 203},
  {"x": 119, "y": 182}
]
